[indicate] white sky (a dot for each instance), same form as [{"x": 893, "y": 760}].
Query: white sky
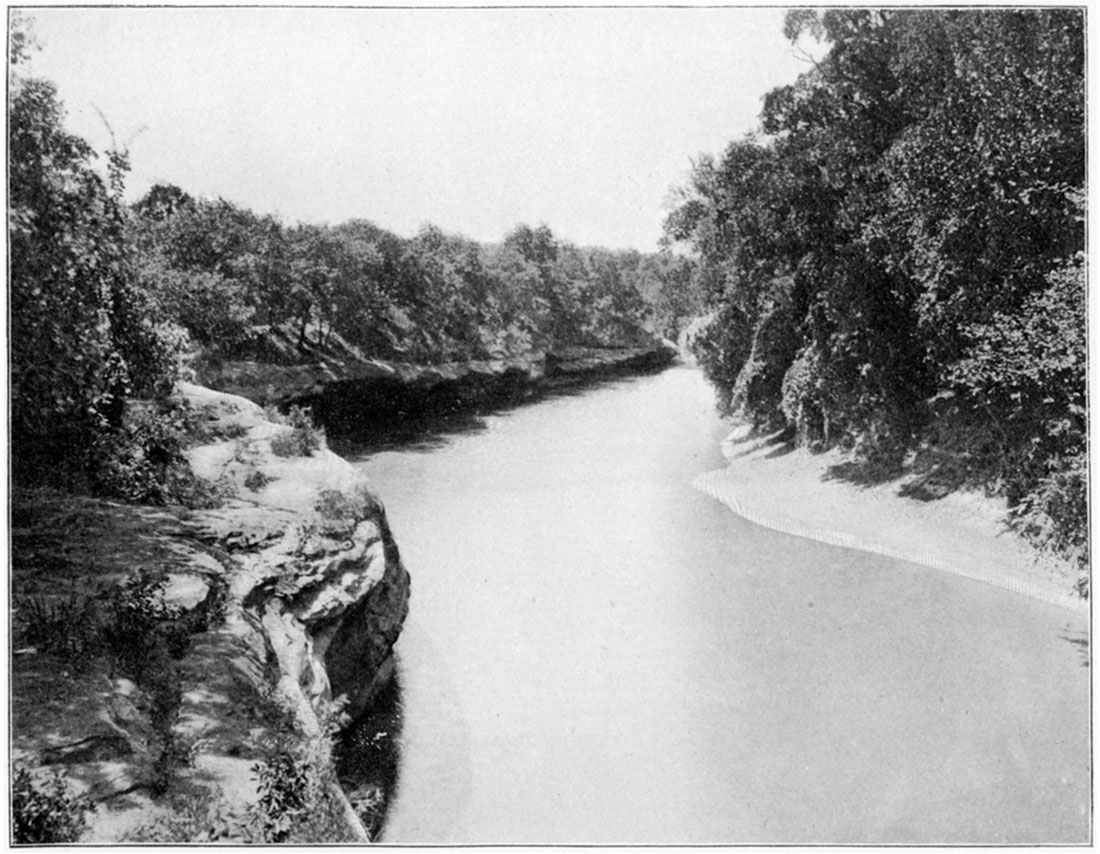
[{"x": 471, "y": 119}]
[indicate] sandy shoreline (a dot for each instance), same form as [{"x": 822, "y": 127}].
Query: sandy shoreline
[{"x": 962, "y": 533}]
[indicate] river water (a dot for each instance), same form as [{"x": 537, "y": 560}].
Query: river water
[{"x": 597, "y": 653}]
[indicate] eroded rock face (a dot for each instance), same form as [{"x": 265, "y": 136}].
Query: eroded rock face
[
  {"x": 316, "y": 559},
  {"x": 309, "y": 593}
]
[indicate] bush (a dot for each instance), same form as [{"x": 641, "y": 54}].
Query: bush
[
  {"x": 143, "y": 460},
  {"x": 139, "y": 617},
  {"x": 201, "y": 818},
  {"x": 66, "y": 627},
  {"x": 802, "y": 398},
  {"x": 288, "y": 787},
  {"x": 44, "y": 810},
  {"x": 1054, "y": 515},
  {"x": 257, "y": 480},
  {"x": 147, "y": 637},
  {"x": 302, "y": 440}
]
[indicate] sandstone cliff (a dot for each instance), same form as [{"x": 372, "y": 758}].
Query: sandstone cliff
[{"x": 287, "y": 597}]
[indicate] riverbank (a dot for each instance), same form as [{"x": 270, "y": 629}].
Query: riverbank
[
  {"x": 344, "y": 389},
  {"x": 822, "y": 497}
]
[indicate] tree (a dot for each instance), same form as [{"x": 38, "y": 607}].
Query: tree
[
  {"x": 82, "y": 337},
  {"x": 163, "y": 201},
  {"x": 895, "y": 263}
]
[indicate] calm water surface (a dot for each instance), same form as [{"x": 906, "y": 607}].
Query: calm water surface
[{"x": 597, "y": 653}]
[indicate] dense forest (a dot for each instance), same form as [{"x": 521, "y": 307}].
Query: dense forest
[
  {"x": 111, "y": 303},
  {"x": 894, "y": 263},
  {"x": 228, "y": 276}
]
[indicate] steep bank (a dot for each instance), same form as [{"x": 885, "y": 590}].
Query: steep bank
[
  {"x": 824, "y": 498},
  {"x": 340, "y": 387},
  {"x": 286, "y": 597}
]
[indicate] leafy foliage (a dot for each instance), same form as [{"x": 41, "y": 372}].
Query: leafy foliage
[
  {"x": 68, "y": 627},
  {"x": 44, "y": 811},
  {"x": 83, "y": 335},
  {"x": 286, "y": 784},
  {"x": 138, "y": 610},
  {"x": 894, "y": 262},
  {"x": 302, "y": 439},
  {"x": 147, "y": 638},
  {"x": 143, "y": 460},
  {"x": 227, "y": 275}
]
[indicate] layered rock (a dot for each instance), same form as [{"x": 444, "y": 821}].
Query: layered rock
[
  {"x": 290, "y": 595},
  {"x": 314, "y": 555}
]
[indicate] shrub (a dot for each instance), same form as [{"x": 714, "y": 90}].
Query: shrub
[
  {"x": 802, "y": 398},
  {"x": 147, "y": 637},
  {"x": 66, "y": 627},
  {"x": 304, "y": 437},
  {"x": 138, "y": 608},
  {"x": 333, "y": 504},
  {"x": 143, "y": 460},
  {"x": 1054, "y": 515},
  {"x": 296, "y": 777},
  {"x": 207, "y": 818},
  {"x": 758, "y": 389},
  {"x": 257, "y": 480},
  {"x": 288, "y": 788},
  {"x": 44, "y": 810}
]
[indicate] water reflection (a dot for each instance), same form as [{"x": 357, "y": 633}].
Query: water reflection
[{"x": 368, "y": 758}]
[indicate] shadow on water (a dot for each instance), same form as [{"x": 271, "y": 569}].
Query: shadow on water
[
  {"x": 429, "y": 428},
  {"x": 368, "y": 758},
  {"x": 1081, "y": 641},
  {"x": 420, "y": 431}
]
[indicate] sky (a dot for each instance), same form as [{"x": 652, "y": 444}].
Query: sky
[{"x": 473, "y": 120}]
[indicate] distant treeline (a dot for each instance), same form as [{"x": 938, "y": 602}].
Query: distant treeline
[
  {"x": 895, "y": 263},
  {"x": 227, "y": 276}
]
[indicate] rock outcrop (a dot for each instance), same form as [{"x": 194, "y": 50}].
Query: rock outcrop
[
  {"x": 346, "y": 389},
  {"x": 313, "y": 554},
  {"x": 288, "y": 596}
]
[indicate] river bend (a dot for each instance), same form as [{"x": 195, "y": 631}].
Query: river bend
[{"x": 598, "y": 653}]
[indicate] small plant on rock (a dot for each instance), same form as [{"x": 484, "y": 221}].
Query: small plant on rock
[
  {"x": 333, "y": 504},
  {"x": 257, "y": 480},
  {"x": 304, "y": 437}
]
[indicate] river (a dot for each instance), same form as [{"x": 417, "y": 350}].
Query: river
[{"x": 598, "y": 653}]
